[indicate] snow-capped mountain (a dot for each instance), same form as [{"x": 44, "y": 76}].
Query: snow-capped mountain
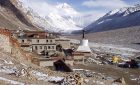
[
  {"x": 69, "y": 13},
  {"x": 59, "y": 18},
  {"x": 67, "y": 10},
  {"x": 125, "y": 11},
  {"x": 119, "y": 18}
]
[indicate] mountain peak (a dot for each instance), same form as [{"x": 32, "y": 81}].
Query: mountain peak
[
  {"x": 63, "y": 5},
  {"x": 125, "y": 11},
  {"x": 66, "y": 9}
]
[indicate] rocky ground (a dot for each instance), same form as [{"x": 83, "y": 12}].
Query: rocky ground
[
  {"x": 99, "y": 70},
  {"x": 20, "y": 73},
  {"x": 105, "y": 51},
  {"x": 131, "y": 76}
]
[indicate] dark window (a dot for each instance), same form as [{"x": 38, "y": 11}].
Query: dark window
[
  {"x": 50, "y": 40},
  {"x": 35, "y": 47},
  {"x": 38, "y": 41},
  {"x": 49, "y": 47},
  {"x": 23, "y": 41},
  {"x": 47, "y": 41}
]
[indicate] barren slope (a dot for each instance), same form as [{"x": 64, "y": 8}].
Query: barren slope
[
  {"x": 12, "y": 18},
  {"x": 16, "y": 67}
]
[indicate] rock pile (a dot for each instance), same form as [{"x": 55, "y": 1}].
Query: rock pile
[
  {"x": 74, "y": 79},
  {"x": 94, "y": 78}
]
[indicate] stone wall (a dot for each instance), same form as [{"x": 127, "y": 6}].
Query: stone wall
[
  {"x": 11, "y": 45},
  {"x": 5, "y": 40}
]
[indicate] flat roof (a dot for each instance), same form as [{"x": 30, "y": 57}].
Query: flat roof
[{"x": 52, "y": 58}]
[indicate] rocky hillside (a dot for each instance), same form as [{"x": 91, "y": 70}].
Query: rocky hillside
[
  {"x": 116, "y": 19},
  {"x": 16, "y": 67},
  {"x": 12, "y": 18}
]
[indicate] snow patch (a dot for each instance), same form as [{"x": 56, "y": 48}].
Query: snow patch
[
  {"x": 9, "y": 62},
  {"x": 98, "y": 82},
  {"x": 113, "y": 12},
  {"x": 39, "y": 75},
  {"x": 104, "y": 21},
  {"x": 8, "y": 69},
  {"x": 45, "y": 77},
  {"x": 55, "y": 79}
]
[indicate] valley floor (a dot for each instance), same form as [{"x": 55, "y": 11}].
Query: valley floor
[{"x": 114, "y": 49}]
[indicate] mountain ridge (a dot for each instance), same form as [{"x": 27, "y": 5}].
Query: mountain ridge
[{"x": 120, "y": 18}]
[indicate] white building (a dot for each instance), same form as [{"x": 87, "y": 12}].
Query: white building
[{"x": 83, "y": 52}]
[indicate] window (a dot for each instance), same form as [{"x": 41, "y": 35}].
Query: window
[
  {"x": 49, "y": 47},
  {"x": 50, "y": 40},
  {"x": 40, "y": 47},
  {"x": 47, "y": 41},
  {"x": 52, "y": 47},
  {"x": 45, "y": 47},
  {"x": 38, "y": 41},
  {"x": 35, "y": 47},
  {"x": 22, "y": 41}
]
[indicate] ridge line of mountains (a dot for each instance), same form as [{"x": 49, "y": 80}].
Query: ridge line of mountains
[{"x": 117, "y": 19}]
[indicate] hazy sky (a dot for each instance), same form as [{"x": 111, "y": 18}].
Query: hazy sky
[{"x": 95, "y": 7}]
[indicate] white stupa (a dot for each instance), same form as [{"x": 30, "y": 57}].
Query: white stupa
[{"x": 84, "y": 46}]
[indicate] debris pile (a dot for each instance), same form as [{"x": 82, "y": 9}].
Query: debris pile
[
  {"x": 90, "y": 78},
  {"x": 135, "y": 78},
  {"x": 100, "y": 59},
  {"x": 74, "y": 79}
]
